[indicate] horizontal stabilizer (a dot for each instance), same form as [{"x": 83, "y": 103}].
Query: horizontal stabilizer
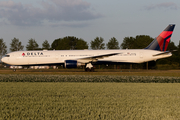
[{"x": 164, "y": 53}]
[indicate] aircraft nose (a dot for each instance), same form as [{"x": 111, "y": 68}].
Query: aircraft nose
[{"x": 2, "y": 60}]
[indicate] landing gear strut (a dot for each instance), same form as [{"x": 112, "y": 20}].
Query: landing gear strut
[{"x": 89, "y": 68}]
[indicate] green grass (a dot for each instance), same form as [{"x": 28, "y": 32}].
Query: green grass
[
  {"x": 89, "y": 101},
  {"x": 29, "y": 99},
  {"x": 87, "y": 78}
]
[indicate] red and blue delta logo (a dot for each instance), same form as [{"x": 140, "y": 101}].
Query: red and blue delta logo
[{"x": 23, "y": 54}]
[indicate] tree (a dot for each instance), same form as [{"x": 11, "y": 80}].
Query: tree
[
  {"x": 54, "y": 45},
  {"x": 174, "y": 59},
  {"x": 69, "y": 43},
  {"x": 97, "y": 44},
  {"x": 3, "y": 48},
  {"x": 139, "y": 42},
  {"x": 16, "y": 45},
  {"x": 142, "y": 41},
  {"x": 81, "y": 44},
  {"x": 63, "y": 44},
  {"x": 32, "y": 45},
  {"x": 45, "y": 45},
  {"x": 127, "y": 43},
  {"x": 178, "y": 49},
  {"x": 113, "y": 44},
  {"x": 171, "y": 46},
  {"x": 178, "y": 53}
]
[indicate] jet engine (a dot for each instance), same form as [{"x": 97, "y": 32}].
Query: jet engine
[{"x": 71, "y": 64}]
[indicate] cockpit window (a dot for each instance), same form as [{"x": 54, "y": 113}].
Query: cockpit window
[{"x": 7, "y": 56}]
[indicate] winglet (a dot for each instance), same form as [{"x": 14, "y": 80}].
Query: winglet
[{"x": 161, "y": 42}]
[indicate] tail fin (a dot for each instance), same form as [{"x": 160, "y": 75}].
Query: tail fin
[{"x": 161, "y": 42}]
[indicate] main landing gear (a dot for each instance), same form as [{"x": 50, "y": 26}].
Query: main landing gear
[{"x": 89, "y": 68}]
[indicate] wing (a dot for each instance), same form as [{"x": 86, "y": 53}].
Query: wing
[{"x": 95, "y": 58}]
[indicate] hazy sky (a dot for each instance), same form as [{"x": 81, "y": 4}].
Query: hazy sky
[{"x": 87, "y": 19}]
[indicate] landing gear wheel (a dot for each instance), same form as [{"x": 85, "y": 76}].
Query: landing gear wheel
[
  {"x": 89, "y": 70},
  {"x": 14, "y": 70},
  {"x": 89, "y": 67},
  {"x": 92, "y": 69}
]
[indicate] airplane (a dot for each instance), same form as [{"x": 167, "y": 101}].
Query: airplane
[{"x": 74, "y": 58}]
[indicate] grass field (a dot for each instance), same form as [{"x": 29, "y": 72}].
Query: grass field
[
  {"x": 129, "y": 101},
  {"x": 27, "y": 94}
]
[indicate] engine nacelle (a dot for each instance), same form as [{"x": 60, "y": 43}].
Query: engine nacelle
[{"x": 71, "y": 64}]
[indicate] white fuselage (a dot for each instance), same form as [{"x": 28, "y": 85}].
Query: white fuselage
[{"x": 60, "y": 56}]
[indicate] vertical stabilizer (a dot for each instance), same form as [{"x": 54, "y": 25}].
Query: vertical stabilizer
[{"x": 161, "y": 42}]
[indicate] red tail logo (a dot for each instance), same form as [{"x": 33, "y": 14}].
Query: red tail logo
[{"x": 162, "y": 41}]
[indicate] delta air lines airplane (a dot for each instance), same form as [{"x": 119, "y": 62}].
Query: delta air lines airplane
[{"x": 74, "y": 58}]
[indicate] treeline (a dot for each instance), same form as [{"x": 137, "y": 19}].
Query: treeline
[
  {"x": 66, "y": 43},
  {"x": 73, "y": 43}
]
